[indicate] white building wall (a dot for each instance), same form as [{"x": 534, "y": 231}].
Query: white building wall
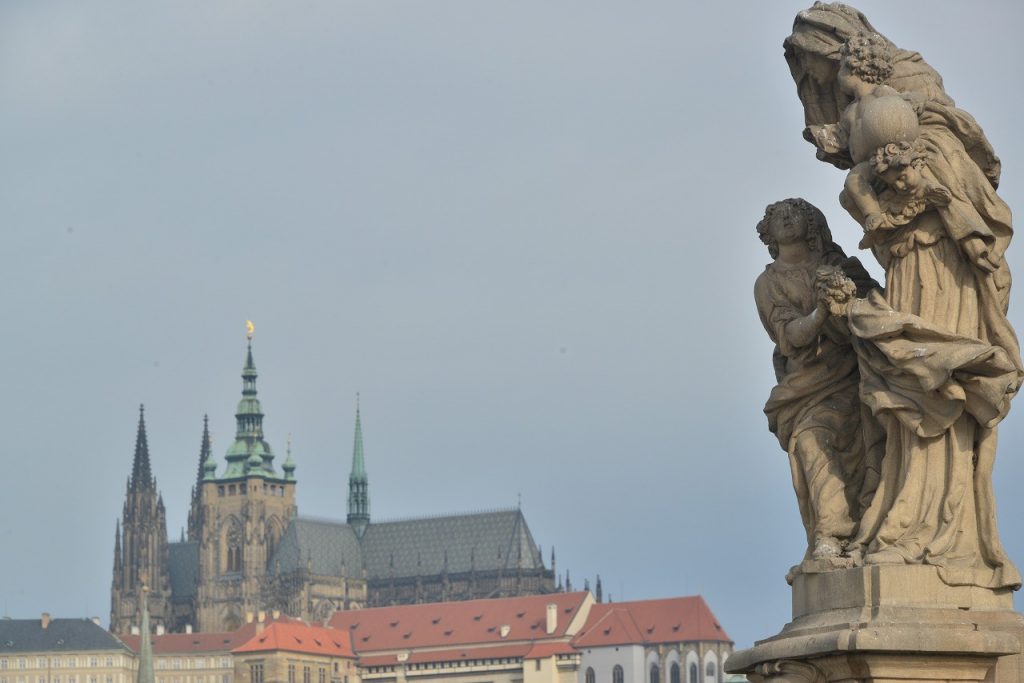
[{"x": 604, "y": 659}]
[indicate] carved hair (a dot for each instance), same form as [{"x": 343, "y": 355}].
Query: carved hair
[
  {"x": 869, "y": 56},
  {"x": 819, "y": 237},
  {"x": 898, "y": 155}
]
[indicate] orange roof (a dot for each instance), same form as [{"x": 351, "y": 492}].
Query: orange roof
[
  {"x": 671, "y": 620},
  {"x": 513, "y": 651},
  {"x": 297, "y": 636},
  {"x": 187, "y": 643},
  {"x": 455, "y": 624}
]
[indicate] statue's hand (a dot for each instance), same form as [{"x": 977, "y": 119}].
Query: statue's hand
[
  {"x": 875, "y": 221},
  {"x": 978, "y": 253}
]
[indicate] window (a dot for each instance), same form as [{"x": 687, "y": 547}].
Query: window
[
  {"x": 176, "y": 663},
  {"x": 41, "y": 664},
  {"x": 94, "y": 661},
  {"x": 693, "y": 674},
  {"x": 711, "y": 671},
  {"x": 220, "y": 491},
  {"x": 655, "y": 676},
  {"x": 305, "y": 674},
  {"x": 674, "y": 673},
  {"x": 256, "y": 672},
  {"x": 617, "y": 676},
  {"x": 225, "y": 679},
  {"x": 322, "y": 677},
  {"x": 72, "y": 663},
  {"x": 225, "y": 663},
  {"x": 291, "y": 673},
  {"x": 200, "y": 663},
  {"x": 590, "y": 678},
  {"x": 22, "y": 663},
  {"x": 110, "y": 661},
  {"x": 3, "y": 665},
  {"x": 231, "y": 490}
]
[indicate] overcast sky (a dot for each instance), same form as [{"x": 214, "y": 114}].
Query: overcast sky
[{"x": 524, "y": 231}]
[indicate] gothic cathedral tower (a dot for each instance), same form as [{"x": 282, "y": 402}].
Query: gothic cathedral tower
[
  {"x": 140, "y": 546},
  {"x": 239, "y": 516}
]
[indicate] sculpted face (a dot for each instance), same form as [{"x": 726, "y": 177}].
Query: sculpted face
[
  {"x": 905, "y": 180},
  {"x": 786, "y": 227}
]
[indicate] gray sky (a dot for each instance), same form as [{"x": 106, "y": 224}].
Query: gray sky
[{"x": 524, "y": 231}]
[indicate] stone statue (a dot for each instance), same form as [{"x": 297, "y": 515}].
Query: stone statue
[
  {"x": 815, "y": 409},
  {"x": 888, "y": 399},
  {"x": 919, "y": 374}
]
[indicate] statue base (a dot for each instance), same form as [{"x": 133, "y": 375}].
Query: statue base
[{"x": 890, "y": 623}]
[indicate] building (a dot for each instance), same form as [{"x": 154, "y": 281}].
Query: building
[
  {"x": 676, "y": 640},
  {"x": 49, "y": 650},
  {"x": 248, "y": 550},
  {"x": 557, "y": 638}
]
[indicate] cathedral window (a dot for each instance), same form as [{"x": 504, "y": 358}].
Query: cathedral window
[
  {"x": 693, "y": 674},
  {"x": 617, "y": 674},
  {"x": 674, "y": 673},
  {"x": 655, "y": 676},
  {"x": 591, "y": 678}
]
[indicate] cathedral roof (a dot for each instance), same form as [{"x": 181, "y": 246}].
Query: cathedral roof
[
  {"x": 324, "y": 545},
  {"x": 60, "y": 635},
  {"x": 183, "y": 567},
  {"x": 483, "y": 541},
  {"x": 423, "y": 546}
]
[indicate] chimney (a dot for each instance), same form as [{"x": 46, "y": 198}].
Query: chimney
[
  {"x": 249, "y": 616},
  {"x": 276, "y": 614},
  {"x": 188, "y": 628},
  {"x": 45, "y": 620},
  {"x": 261, "y": 616},
  {"x": 159, "y": 629},
  {"x": 135, "y": 630},
  {"x": 504, "y": 630},
  {"x": 552, "y": 621}
]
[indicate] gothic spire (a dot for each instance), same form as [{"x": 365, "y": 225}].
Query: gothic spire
[
  {"x": 204, "y": 453},
  {"x": 142, "y": 475},
  {"x": 358, "y": 483},
  {"x": 117, "y": 547}
]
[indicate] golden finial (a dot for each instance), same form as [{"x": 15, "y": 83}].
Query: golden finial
[{"x": 249, "y": 329}]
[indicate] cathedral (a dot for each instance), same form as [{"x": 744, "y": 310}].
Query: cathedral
[{"x": 248, "y": 550}]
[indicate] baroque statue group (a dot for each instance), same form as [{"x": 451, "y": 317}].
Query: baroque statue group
[{"x": 888, "y": 397}]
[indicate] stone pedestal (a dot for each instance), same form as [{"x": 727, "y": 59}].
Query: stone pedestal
[{"x": 890, "y": 623}]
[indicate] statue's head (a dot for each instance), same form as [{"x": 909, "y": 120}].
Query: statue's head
[
  {"x": 868, "y": 57},
  {"x": 899, "y": 164},
  {"x": 794, "y": 219}
]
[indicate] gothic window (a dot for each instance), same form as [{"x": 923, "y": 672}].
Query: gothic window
[
  {"x": 233, "y": 541},
  {"x": 694, "y": 672},
  {"x": 617, "y": 674},
  {"x": 674, "y": 673},
  {"x": 710, "y": 671},
  {"x": 655, "y": 676},
  {"x": 590, "y": 675}
]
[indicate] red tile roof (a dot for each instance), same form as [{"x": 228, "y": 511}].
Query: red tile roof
[
  {"x": 543, "y": 650},
  {"x": 513, "y": 651},
  {"x": 670, "y": 620},
  {"x": 297, "y": 636},
  {"x": 188, "y": 643},
  {"x": 456, "y": 624}
]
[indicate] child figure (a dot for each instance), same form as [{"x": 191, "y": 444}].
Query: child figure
[{"x": 878, "y": 115}]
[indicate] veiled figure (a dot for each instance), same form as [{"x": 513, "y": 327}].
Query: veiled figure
[{"x": 939, "y": 361}]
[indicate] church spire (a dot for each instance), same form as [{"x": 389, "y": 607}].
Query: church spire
[
  {"x": 204, "y": 452},
  {"x": 249, "y": 454},
  {"x": 142, "y": 475},
  {"x": 358, "y": 483},
  {"x": 195, "y": 512}
]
